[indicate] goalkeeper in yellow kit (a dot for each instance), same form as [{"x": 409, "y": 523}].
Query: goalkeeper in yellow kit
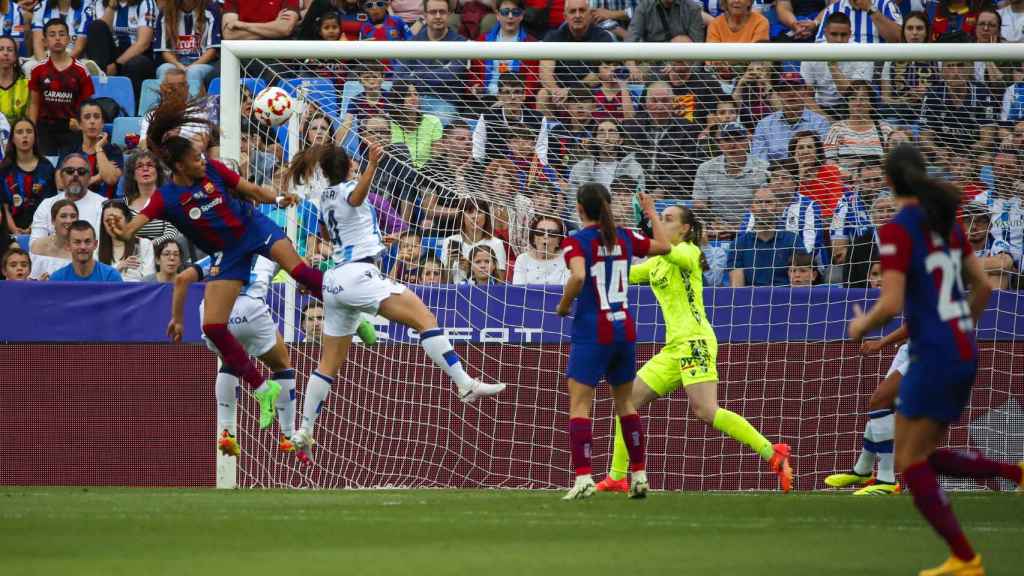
[{"x": 691, "y": 348}]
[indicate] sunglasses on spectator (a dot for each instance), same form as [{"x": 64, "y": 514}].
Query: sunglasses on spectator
[
  {"x": 513, "y": 12},
  {"x": 376, "y": 4},
  {"x": 69, "y": 171}
]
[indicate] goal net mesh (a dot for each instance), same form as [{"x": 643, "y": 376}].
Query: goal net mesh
[{"x": 482, "y": 161}]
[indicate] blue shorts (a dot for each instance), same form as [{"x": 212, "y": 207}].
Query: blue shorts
[
  {"x": 588, "y": 362},
  {"x": 235, "y": 261},
  {"x": 936, "y": 389}
]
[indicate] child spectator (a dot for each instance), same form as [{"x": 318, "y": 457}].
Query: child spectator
[
  {"x": 106, "y": 162},
  {"x": 84, "y": 267},
  {"x": 350, "y": 17},
  {"x": 488, "y": 75},
  {"x": 410, "y": 252},
  {"x": 58, "y": 87},
  {"x": 26, "y": 178},
  {"x": 612, "y": 96},
  {"x": 432, "y": 271},
  {"x": 801, "y": 269},
  {"x": 76, "y": 15},
  {"x": 16, "y": 265},
  {"x": 120, "y": 39},
  {"x": 188, "y": 39},
  {"x": 13, "y": 83},
  {"x": 831, "y": 80},
  {"x": 477, "y": 230},
  {"x": 483, "y": 267},
  {"x": 381, "y": 25},
  {"x": 132, "y": 259},
  {"x": 371, "y": 101}
]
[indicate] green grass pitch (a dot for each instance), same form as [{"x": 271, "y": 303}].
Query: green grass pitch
[{"x": 60, "y": 531}]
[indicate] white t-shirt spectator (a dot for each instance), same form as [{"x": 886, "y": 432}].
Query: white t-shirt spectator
[
  {"x": 148, "y": 260},
  {"x": 1013, "y": 25},
  {"x": 45, "y": 266},
  {"x": 530, "y": 270},
  {"x": 90, "y": 209},
  {"x": 818, "y": 76}
]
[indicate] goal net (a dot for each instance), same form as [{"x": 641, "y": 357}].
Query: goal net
[{"x": 485, "y": 147}]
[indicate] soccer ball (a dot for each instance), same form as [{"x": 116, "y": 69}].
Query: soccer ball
[{"x": 272, "y": 106}]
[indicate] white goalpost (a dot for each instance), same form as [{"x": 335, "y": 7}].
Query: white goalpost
[{"x": 472, "y": 151}]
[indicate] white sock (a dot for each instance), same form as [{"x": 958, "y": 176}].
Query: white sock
[
  {"x": 286, "y": 401},
  {"x": 439, "y": 349},
  {"x": 866, "y": 461},
  {"x": 317, "y": 390},
  {"x": 883, "y": 430},
  {"x": 226, "y": 400}
]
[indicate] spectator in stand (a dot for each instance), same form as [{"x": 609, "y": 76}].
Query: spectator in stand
[
  {"x": 483, "y": 266},
  {"x": 72, "y": 181},
  {"x": 667, "y": 143},
  {"x": 861, "y": 136},
  {"x": 542, "y": 262},
  {"x": 264, "y": 20},
  {"x": 188, "y": 39},
  {"x": 381, "y": 25},
  {"x": 488, "y": 75},
  {"x": 441, "y": 84},
  {"x": 751, "y": 90},
  {"x": 260, "y": 151},
  {"x": 507, "y": 113},
  {"x": 951, "y": 16},
  {"x": 614, "y": 15},
  {"x": 312, "y": 321},
  {"x": 612, "y": 95},
  {"x": 725, "y": 111},
  {"x": 802, "y": 271},
  {"x": 738, "y": 23},
  {"x": 76, "y": 15},
  {"x": 542, "y": 16},
  {"x": 477, "y": 230},
  {"x": 862, "y": 254},
  {"x": 574, "y": 130},
  {"x": 168, "y": 255},
  {"x": 958, "y": 109},
  {"x": 998, "y": 258},
  {"x": 1012, "y": 17},
  {"x": 874, "y": 21},
  {"x": 16, "y": 264},
  {"x": 134, "y": 259},
  {"x": 58, "y": 87},
  {"x": 175, "y": 85},
  {"x": 774, "y": 131},
  {"x": 14, "y": 95},
  {"x": 26, "y": 178},
  {"x": 409, "y": 125},
  {"x": 83, "y": 266},
  {"x": 695, "y": 92},
  {"x": 801, "y": 215},
  {"x": 762, "y": 257},
  {"x": 724, "y": 186},
  {"x": 1013, "y": 98},
  {"x": 410, "y": 12},
  {"x": 905, "y": 84},
  {"x": 16, "y": 22},
  {"x": 53, "y": 252},
  {"x": 120, "y": 39},
  {"x": 453, "y": 174},
  {"x": 800, "y": 17},
  {"x": 407, "y": 257},
  {"x": 1005, "y": 199},
  {"x": 610, "y": 160},
  {"x": 852, "y": 218},
  {"x": 141, "y": 179},
  {"x": 106, "y": 162},
  {"x": 395, "y": 180},
  {"x": 817, "y": 180},
  {"x": 995, "y": 76},
  {"x": 350, "y": 16},
  {"x": 558, "y": 76},
  {"x": 432, "y": 271},
  {"x": 831, "y": 80},
  {"x": 667, "y": 21}
]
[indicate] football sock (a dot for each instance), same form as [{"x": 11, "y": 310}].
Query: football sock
[
  {"x": 972, "y": 465},
  {"x": 933, "y": 504},
  {"x": 620, "y": 456},
  {"x": 738, "y": 428},
  {"x": 317, "y": 389},
  {"x": 439, "y": 349},
  {"x": 286, "y": 401},
  {"x": 226, "y": 400},
  {"x": 878, "y": 439},
  {"x": 633, "y": 436},
  {"x": 233, "y": 355},
  {"x": 309, "y": 277},
  {"x": 581, "y": 437}
]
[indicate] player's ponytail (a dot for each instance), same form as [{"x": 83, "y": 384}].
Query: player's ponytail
[
  {"x": 696, "y": 234},
  {"x": 596, "y": 203},
  {"x": 332, "y": 161},
  {"x": 906, "y": 168},
  {"x": 163, "y": 137}
]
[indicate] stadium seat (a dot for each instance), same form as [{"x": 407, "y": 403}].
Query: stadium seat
[
  {"x": 117, "y": 87},
  {"x": 254, "y": 85},
  {"x": 320, "y": 91},
  {"x": 124, "y": 126},
  {"x": 23, "y": 241},
  {"x": 149, "y": 96},
  {"x": 432, "y": 246}
]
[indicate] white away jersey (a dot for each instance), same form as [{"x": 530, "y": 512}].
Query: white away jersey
[{"x": 353, "y": 229}]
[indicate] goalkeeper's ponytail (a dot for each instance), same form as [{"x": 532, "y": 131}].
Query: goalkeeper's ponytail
[{"x": 696, "y": 233}]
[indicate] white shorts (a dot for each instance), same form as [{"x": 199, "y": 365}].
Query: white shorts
[
  {"x": 251, "y": 323},
  {"x": 901, "y": 362},
  {"x": 351, "y": 290}
]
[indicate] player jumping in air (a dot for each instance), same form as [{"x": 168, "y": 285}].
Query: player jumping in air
[
  {"x": 356, "y": 285},
  {"x": 688, "y": 357},
  {"x": 206, "y": 201},
  {"x": 881, "y": 427},
  {"x": 603, "y": 334},
  {"x": 926, "y": 259}
]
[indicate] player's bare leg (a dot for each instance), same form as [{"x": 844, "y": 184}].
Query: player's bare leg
[
  {"x": 277, "y": 360},
  {"x": 581, "y": 437},
  {"x": 407, "y": 308},
  {"x": 333, "y": 352},
  {"x": 632, "y": 432}
]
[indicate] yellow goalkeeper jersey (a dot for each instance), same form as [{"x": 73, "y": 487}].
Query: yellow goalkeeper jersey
[{"x": 678, "y": 283}]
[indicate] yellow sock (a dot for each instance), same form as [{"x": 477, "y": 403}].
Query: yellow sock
[
  {"x": 620, "y": 456},
  {"x": 738, "y": 428}
]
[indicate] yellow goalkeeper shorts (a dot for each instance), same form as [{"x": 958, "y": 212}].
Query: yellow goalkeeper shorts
[{"x": 692, "y": 363}]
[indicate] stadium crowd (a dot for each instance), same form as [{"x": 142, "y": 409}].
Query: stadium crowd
[{"x": 483, "y": 158}]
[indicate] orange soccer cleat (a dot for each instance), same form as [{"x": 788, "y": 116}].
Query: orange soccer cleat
[
  {"x": 780, "y": 465},
  {"x": 227, "y": 444},
  {"x": 610, "y": 485},
  {"x": 285, "y": 445}
]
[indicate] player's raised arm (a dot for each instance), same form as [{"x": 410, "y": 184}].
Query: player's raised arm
[
  {"x": 176, "y": 327},
  {"x": 362, "y": 189},
  {"x": 660, "y": 244}
]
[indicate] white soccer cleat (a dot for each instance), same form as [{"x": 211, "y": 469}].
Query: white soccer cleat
[
  {"x": 479, "y": 389},
  {"x": 583, "y": 489},
  {"x": 303, "y": 442},
  {"x": 638, "y": 485}
]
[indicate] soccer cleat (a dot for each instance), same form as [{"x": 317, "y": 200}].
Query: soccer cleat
[
  {"x": 268, "y": 403},
  {"x": 954, "y": 566},
  {"x": 479, "y": 390},
  {"x": 611, "y": 485},
  {"x": 584, "y": 488},
  {"x": 367, "y": 333},
  {"x": 284, "y": 444},
  {"x": 878, "y": 489},
  {"x": 847, "y": 479},
  {"x": 302, "y": 443},
  {"x": 227, "y": 444},
  {"x": 638, "y": 485},
  {"x": 779, "y": 464}
]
